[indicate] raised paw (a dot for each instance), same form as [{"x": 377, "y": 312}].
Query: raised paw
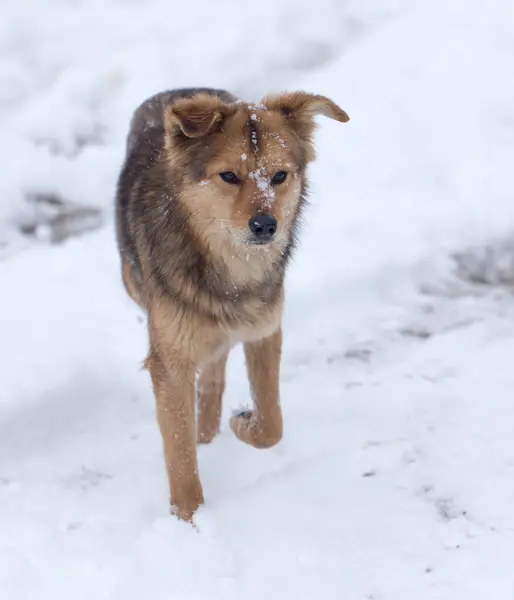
[{"x": 253, "y": 430}]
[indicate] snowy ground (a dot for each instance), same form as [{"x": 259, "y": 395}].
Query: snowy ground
[{"x": 395, "y": 480}]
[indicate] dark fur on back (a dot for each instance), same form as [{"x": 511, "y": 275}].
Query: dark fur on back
[{"x": 153, "y": 227}]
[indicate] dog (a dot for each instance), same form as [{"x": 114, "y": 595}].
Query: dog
[{"x": 208, "y": 206}]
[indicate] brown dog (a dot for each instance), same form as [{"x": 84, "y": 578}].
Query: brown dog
[{"x": 208, "y": 207}]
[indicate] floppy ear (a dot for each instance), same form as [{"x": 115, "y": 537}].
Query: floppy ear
[
  {"x": 301, "y": 105},
  {"x": 299, "y": 110},
  {"x": 196, "y": 116}
]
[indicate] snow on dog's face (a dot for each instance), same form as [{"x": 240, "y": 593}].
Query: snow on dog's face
[{"x": 243, "y": 166}]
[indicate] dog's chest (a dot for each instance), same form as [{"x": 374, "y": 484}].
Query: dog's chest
[
  {"x": 257, "y": 330},
  {"x": 216, "y": 343}
]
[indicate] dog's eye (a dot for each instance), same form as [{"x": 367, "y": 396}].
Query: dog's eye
[
  {"x": 279, "y": 177},
  {"x": 229, "y": 177}
]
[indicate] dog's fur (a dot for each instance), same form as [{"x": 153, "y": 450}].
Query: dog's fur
[{"x": 188, "y": 259}]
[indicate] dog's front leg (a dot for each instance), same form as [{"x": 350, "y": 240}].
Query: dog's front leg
[
  {"x": 262, "y": 427},
  {"x": 174, "y": 382}
]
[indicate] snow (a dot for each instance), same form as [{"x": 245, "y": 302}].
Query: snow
[
  {"x": 264, "y": 185},
  {"x": 395, "y": 479}
]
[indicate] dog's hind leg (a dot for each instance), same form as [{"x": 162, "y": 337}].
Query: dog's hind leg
[
  {"x": 211, "y": 385},
  {"x": 262, "y": 426}
]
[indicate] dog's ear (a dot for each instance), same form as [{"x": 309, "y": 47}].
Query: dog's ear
[
  {"x": 299, "y": 110},
  {"x": 301, "y": 105},
  {"x": 196, "y": 116}
]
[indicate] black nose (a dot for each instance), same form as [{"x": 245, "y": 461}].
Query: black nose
[{"x": 263, "y": 226}]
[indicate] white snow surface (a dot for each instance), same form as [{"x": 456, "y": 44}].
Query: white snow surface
[{"x": 395, "y": 478}]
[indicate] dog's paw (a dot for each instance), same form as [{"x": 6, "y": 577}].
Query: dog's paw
[
  {"x": 206, "y": 437},
  {"x": 184, "y": 507},
  {"x": 243, "y": 414},
  {"x": 249, "y": 429},
  {"x": 183, "y": 514}
]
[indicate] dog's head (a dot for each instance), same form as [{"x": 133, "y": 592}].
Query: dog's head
[{"x": 242, "y": 167}]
